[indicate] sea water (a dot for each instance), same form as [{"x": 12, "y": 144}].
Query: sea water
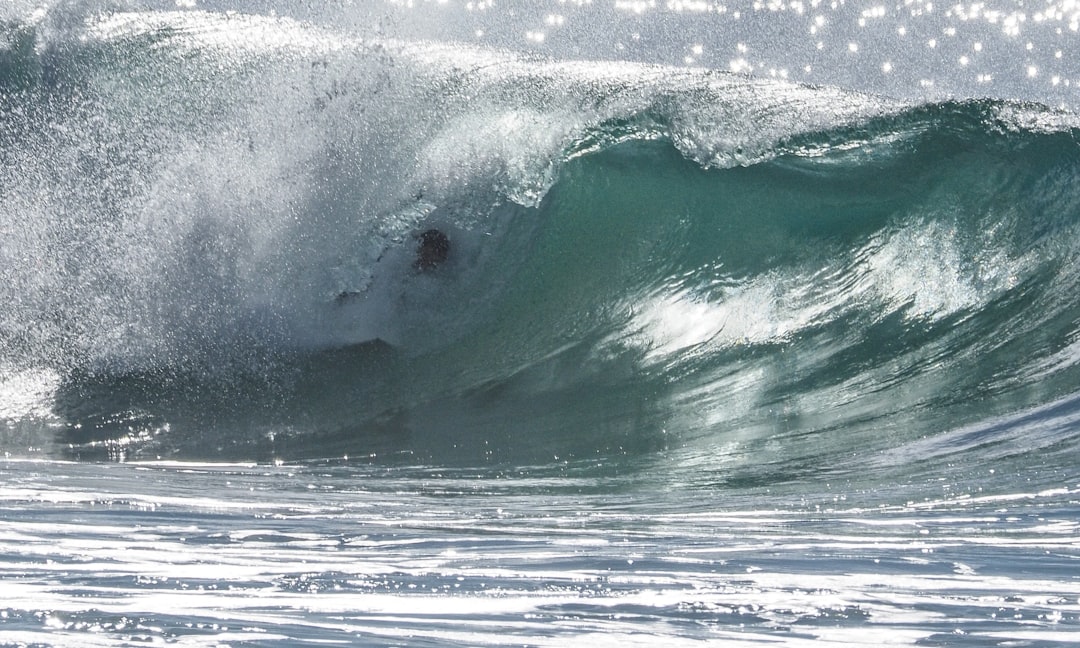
[{"x": 760, "y": 325}]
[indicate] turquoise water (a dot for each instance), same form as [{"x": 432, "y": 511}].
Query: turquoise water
[{"x": 715, "y": 356}]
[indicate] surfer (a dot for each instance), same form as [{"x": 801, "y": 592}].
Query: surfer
[{"x": 434, "y": 249}]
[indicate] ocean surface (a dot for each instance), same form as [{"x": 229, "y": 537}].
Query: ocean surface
[{"x": 760, "y": 323}]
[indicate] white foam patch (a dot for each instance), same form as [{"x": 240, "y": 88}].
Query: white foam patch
[
  {"x": 923, "y": 271},
  {"x": 926, "y": 272},
  {"x": 769, "y": 308}
]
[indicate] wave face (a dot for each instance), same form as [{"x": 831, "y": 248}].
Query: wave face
[{"x": 760, "y": 280}]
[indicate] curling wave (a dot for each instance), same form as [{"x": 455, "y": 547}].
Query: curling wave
[{"x": 761, "y": 276}]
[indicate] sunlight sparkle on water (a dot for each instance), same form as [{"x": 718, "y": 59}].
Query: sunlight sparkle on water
[{"x": 1003, "y": 48}]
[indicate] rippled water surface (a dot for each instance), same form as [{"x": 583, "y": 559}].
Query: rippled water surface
[{"x": 305, "y": 555}]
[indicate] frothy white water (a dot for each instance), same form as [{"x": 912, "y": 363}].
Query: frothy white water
[{"x": 237, "y": 172}]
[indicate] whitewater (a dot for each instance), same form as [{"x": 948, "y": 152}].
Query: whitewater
[{"x": 760, "y": 323}]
